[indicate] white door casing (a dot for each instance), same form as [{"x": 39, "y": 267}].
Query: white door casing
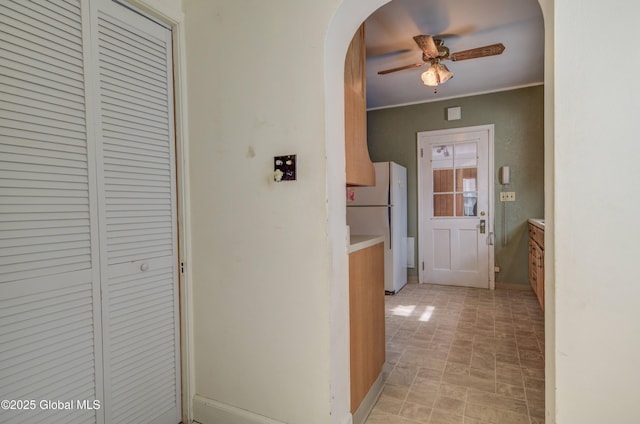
[{"x": 455, "y": 195}]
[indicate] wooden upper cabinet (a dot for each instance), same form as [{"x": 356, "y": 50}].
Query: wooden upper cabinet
[{"x": 360, "y": 171}]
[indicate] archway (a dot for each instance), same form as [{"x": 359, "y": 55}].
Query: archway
[{"x": 348, "y": 17}]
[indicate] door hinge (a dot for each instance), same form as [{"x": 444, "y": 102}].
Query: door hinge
[
  {"x": 423, "y": 265},
  {"x": 421, "y": 152},
  {"x": 182, "y": 267}
]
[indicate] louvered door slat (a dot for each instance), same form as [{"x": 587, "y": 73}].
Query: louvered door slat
[
  {"x": 145, "y": 127},
  {"x": 146, "y": 142},
  {"x": 48, "y": 271},
  {"x": 49, "y": 13},
  {"x": 38, "y": 130},
  {"x": 141, "y": 332},
  {"x": 43, "y": 47},
  {"x": 28, "y": 65},
  {"x": 114, "y": 109},
  {"x": 130, "y": 80},
  {"x": 15, "y": 15},
  {"x": 133, "y": 41},
  {"x": 30, "y": 112},
  {"x": 19, "y": 95},
  {"x": 18, "y": 135},
  {"x": 121, "y": 179}
]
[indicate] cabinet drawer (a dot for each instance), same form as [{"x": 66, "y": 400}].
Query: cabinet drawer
[{"x": 537, "y": 235}]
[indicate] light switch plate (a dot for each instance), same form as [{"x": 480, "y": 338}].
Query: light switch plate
[{"x": 286, "y": 165}]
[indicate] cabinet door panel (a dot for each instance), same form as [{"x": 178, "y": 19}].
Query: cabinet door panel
[
  {"x": 366, "y": 316},
  {"x": 359, "y": 168}
]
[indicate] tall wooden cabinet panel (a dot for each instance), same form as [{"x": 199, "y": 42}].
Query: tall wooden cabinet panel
[
  {"x": 360, "y": 171},
  {"x": 366, "y": 320}
]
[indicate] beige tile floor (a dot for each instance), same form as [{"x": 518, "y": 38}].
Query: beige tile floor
[{"x": 462, "y": 356}]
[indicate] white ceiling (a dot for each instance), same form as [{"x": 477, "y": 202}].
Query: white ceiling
[{"x": 462, "y": 24}]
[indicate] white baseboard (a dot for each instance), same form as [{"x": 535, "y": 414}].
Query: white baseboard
[
  {"x": 369, "y": 401},
  {"x": 209, "y": 411}
]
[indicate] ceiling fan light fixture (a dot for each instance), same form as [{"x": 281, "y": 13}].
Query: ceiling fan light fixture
[
  {"x": 430, "y": 77},
  {"x": 444, "y": 73},
  {"x": 436, "y": 74}
]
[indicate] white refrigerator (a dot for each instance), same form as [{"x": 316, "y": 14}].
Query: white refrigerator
[{"x": 382, "y": 210}]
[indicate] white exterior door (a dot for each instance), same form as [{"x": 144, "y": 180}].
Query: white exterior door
[
  {"x": 88, "y": 245},
  {"x": 455, "y": 215}
]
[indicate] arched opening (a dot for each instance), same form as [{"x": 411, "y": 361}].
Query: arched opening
[{"x": 347, "y": 19}]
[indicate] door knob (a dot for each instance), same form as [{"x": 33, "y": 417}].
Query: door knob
[{"x": 482, "y": 213}]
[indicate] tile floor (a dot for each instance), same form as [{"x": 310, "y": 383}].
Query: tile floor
[{"x": 462, "y": 356}]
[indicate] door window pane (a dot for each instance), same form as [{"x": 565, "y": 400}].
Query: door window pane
[
  {"x": 466, "y": 154},
  {"x": 455, "y": 179},
  {"x": 442, "y": 156},
  {"x": 443, "y": 205},
  {"x": 443, "y": 180},
  {"x": 466, "y": 189}
]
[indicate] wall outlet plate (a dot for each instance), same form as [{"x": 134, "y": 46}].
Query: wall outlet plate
[{"x": 507, "y": 196}]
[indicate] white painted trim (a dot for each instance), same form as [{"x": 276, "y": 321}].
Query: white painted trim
[
  {"x": 492, "y": 230},
  {"x": 175, "y": 20},
  {"x": 207, "y": 410},
  {"x": 369, "y": 401},
  {"x": 420, "y": 212},
  {"x": 476, "y": 93},
  {"x": 490, "y": 129}
]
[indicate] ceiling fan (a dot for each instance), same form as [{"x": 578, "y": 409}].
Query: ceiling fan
[{"x": 434, "y": 51}]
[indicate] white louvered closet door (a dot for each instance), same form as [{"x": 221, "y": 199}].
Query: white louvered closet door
[
  {"x": 88, "y": 245},
  {"x": 136, "y": 176},
  {"x": 50, "y": 347}
]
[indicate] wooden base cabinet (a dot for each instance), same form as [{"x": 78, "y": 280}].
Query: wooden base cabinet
[
  {"x": 536, "y": 261},
  {"x": 366, "y": 320}
]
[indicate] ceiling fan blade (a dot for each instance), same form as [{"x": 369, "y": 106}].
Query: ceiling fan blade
[
  {"x": 491, "y": 50},
  {"x": 428, "y": 46},
  {"x": 400, "y": 68}
]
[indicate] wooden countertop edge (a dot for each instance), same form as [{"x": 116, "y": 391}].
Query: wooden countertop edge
[
  {"x": 359, "y": 242},
  {"x": 537, "y": 222}
]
